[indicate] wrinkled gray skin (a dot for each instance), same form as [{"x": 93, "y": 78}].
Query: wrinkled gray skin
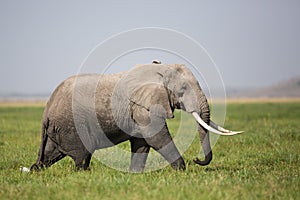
[{"x": 132, "y": 105}]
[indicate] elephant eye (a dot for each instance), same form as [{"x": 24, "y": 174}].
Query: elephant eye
[
  {"x": 180, "y": 94},
  {"x": 184, "y": 86},
  {"x": 182, "y": 90}
]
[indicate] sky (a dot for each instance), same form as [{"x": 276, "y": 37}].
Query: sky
[{"x": 253, "y": 43}]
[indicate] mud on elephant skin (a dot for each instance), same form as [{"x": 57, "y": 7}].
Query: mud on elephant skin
[{"x": 91, "y": 111}]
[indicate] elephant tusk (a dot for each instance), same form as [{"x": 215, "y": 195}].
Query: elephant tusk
[
  {"x": 223, "y": 130},
  {"x": 220, "y": 128},
  {"x": 207, "y": 127}
]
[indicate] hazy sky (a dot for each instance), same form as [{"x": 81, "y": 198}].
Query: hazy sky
[{"x": 254, "y": 43}]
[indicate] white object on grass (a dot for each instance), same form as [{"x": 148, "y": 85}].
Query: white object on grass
[{"x": 24, "y": 169}]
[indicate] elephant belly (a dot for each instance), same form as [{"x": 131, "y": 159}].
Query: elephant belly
[{"x": 111, "y": 130}]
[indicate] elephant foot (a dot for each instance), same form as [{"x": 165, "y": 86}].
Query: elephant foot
[
  {"x": 81, "y": 168},
  {"x": 136, "y": 169},
  {"x": 178, "y": 164},
  {"x": 82, "y": 161},
  {"x": 37, "y": 167}
]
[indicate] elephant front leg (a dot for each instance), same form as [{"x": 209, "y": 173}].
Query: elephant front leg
[
  {"x": 139, "y": 154},
  {"x": 162, "y": 142}
]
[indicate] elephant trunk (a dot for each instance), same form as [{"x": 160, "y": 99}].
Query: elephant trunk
[{"x": 203, "y": 133}]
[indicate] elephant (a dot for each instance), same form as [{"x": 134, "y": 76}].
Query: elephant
[{"x": 88, "y": 112}]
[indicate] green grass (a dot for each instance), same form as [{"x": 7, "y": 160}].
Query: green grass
[{"x": 262, "y": 163}]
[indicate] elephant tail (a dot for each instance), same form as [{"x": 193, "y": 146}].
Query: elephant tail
[{"x": 44, "y": 137}]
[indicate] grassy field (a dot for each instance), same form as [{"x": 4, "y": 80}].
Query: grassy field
[{"x": 262, "y": 163}]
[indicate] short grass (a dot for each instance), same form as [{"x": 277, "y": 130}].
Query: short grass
[{"x": 262, "y": 163}]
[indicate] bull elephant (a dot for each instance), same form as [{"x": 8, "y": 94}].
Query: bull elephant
[{"x": 91, "y": 111}]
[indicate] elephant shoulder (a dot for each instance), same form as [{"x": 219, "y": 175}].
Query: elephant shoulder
[{"x": 152, "y": 97}]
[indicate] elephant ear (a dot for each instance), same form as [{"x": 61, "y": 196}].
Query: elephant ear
[{"x": 151, "y": 99}]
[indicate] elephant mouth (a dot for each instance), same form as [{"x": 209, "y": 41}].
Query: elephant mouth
[
  {"x": 181, "y": 105},
  {"x": 213, "y": 127}
]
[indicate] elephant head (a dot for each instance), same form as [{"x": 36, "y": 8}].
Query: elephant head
[
  {"x": 150, "y": 93},
  {"x": 190, "y": 98}
]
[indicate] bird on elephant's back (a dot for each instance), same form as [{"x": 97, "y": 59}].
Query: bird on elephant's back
[{"x": 91, "y": 111}]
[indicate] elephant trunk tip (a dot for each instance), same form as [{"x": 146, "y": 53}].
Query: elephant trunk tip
[{"x": 204, "y": 162}]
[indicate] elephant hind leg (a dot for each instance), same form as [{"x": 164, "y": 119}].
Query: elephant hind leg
[
  {"x": 48, "y": 155},
  {"x": 139, "y": 154}
]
